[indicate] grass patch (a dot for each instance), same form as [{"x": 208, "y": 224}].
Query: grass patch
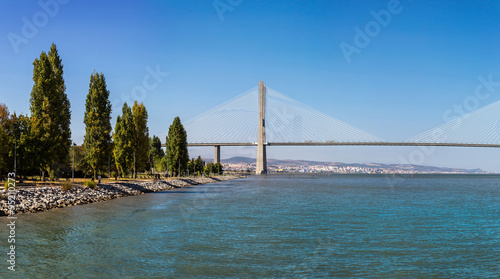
[
  {"x": 66, "y": 186},
  {"x": 90, "y": 184}
]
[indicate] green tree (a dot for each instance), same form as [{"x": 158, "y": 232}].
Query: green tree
[
  {"x": 207, "y": 169},
  {"x": 50, "y": 112},
  {"x": 82, "y": 168},
  {"x": 196, "y": 166},
  {"x": 4, "y": 138},
  {"x": 21, "y": 143},
  {"x": 97, "y": 119},
  {"x": 63, "y": 109},
  {"x": 177, "y": 151},
  {"x": 156, "y": 153},
  {"x": 123, "y": 139},
  {"x": 199, "y": 164},
  {"x": 155, "y": 149},
  {"x": 217, "y": 168},
  {"x": 161, "y": 164},
  {"x": 141, "y": 136},
  {"x": 191, "y": 167}
]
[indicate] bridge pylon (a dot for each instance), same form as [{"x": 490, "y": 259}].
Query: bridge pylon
[{"x": 261, "y": 165}]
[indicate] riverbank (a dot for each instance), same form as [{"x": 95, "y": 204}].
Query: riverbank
[{"x": 36, "y": 199}]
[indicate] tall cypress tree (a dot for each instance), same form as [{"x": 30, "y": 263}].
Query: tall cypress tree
[
  {"x": 50, "y": 111},
  {"x": 141, "y": 139},
  {"x": 123, "y": 141},
  {"x": 63, "y": 109},
  {"x": 97, "y": 119},
  {"x": 177, "y": 151}
]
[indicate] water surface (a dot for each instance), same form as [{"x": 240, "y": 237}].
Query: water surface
[{"x": 274, "y": 226}]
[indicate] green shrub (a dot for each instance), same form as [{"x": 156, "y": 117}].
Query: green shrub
[
  {"x": 7, "y": 182},
  {"x": 90, "y": 184},
  {"x": 66, "y": 186}
]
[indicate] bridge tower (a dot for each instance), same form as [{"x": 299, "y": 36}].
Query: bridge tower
[{"x": 261, "y": 166}]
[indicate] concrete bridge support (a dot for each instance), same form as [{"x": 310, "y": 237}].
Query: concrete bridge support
[
  {"x": 261, "y": 166},
  {"x": 217, "y": 154}
]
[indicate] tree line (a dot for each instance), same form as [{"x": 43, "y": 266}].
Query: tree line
[{"x": 40, "y": 143}]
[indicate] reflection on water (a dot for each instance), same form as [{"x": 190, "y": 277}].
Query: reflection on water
[{"x": 297, "y": 226}]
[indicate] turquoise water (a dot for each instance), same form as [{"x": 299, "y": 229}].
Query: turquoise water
[{"x": 281, "y": 226}]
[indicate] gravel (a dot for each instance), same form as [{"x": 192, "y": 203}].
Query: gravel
[{"x": 36, "y": 199}]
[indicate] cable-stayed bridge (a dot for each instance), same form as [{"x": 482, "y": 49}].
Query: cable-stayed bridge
[{"x": 264, "y": 117}]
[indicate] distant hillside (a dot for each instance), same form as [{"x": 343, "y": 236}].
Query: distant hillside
[
  {"x": 239, "y": 160},
  {"x": 307, "y": 164}
]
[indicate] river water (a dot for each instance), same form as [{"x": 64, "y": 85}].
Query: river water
[{"x": 301, "y": 226}]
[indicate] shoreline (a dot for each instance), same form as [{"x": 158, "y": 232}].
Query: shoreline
[{"x": 42, "y": 198}]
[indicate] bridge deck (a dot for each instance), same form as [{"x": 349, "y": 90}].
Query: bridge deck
[{"x": 349, "y": 144}]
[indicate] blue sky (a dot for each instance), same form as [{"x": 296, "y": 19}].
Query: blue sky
[{"x": 426, "y": 59}]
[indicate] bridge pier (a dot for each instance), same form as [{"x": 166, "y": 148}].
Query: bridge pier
[
  {"x": 217, "y": 154},
  {"x": 261, "y": 164}
]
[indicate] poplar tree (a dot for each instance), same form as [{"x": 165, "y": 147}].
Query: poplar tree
[
  {"x": 97, "y": 119},
  {"x": 63, "y": 109},
  {"x": 50, "y": 112},
  {"x": 123, "y": 141},
  {"x": 177, "y": 151},
  {"x": 141, "y": 136}
]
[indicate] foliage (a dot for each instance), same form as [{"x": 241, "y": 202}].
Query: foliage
[
  {"x": 81, "y": 165},
  {"x": 156, "y": 153},
  {"x": 16, "y": 142},
  {"x": 23, "y": 146},
  {"x": 157, "y": 157},
  {"x": 177, "y": 151},
  {"x": 66, "y": 186},
  {"x": 200, "y": 164},
  {"x": 196, "y": 166},
  {"x": 217, "y": 168},
  {"x": 6, "y": 184},
  {"x": 97, "y": 140},
  {"x": 155, "y": 149},
  {"x": 123, "y": 139},
  {"x": 208, "y": 169},
  {"x": 90, "y": 184},
  {"x": 211, "y": 168},
  {"x": 4, "y": 137},
  {"x": 141, "y": 136},
  {"x": 163, "y": 164},
  {"x": 50, "y": 112}
]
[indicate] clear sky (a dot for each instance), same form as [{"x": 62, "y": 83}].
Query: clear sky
[{"x": 396, "y": 80}]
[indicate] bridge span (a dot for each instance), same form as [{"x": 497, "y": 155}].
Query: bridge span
[
  {"x": 263, "y": 117},
  {"x": 218, "y": 145},
  {"x": 349, "y": 144}
]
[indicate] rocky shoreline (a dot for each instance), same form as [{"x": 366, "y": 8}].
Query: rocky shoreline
[{"x": 36, "y": 199}]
